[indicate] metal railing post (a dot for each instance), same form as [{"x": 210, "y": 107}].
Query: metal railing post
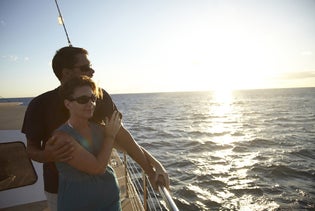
[
  {"x": 126, "y": 175},
  {"x": 145, "y": 191}
]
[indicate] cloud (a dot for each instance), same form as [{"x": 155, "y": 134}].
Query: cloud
[
  {"x": 11, "y": 58},
  {"x": 14, "y": 58},
  {"x": 297, "y": 75},
  {"x": 3, "y": 23},
  {"x": 306, "y": 53}
]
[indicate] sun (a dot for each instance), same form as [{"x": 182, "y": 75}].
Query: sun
[{"x": 223, "y": 95}]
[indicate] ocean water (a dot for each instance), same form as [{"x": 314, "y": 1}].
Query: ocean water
[{"x": 245, "y": 150}]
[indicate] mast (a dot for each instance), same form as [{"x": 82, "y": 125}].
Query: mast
[{"x": 61, "y": 21}]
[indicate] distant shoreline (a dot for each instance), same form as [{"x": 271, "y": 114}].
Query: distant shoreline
[
  {"x": 11, "y": 115},
  {"x": 10, "y": 103}
]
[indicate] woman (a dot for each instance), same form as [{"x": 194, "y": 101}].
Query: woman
[{"x": 86, "y": 182}]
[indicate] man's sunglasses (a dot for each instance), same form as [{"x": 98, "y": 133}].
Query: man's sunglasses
[
  {"x": 84, "y": 68},
  {"x": 84, "y": 99}
]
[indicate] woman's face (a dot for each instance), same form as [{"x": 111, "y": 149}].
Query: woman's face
[{"x": 83, "y": 103}]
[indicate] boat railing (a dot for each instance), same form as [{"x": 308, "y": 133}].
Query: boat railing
[
  {"x": 168, "y": 198},
  {"x": 151, "y": 200}
]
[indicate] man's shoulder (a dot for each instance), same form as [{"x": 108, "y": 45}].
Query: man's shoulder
[
  {"x": 45, "y": 97},
  {"x": 105, "y": 93},
  {"x": 105, "y": 96}
]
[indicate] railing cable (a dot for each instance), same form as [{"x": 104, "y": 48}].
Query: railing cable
[{"x": 152, "y": 200}]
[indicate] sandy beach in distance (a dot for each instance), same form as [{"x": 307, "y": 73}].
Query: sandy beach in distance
[{"x": 11, "y": 116}]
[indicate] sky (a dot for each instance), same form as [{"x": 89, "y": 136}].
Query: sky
[{"x": 139, "y": 46}]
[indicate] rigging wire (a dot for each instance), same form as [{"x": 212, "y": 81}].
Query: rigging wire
[{"x": 60, "y": 18}]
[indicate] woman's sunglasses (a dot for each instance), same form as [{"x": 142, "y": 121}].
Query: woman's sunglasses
[{"x": 84, "y": 99}]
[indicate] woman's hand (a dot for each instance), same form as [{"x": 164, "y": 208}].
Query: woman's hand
[{"x": 112, "y": 125}]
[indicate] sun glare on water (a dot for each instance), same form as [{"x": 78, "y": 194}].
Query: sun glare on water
[{"x": 223, "y": 95}]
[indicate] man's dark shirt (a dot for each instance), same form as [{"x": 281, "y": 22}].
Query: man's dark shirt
[{"x": 47, "y": 112}]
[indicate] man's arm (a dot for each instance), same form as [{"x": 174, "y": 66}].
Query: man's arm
[
  {"x": 53, "y": 151},
  {"x": 161, "y": 175},
  {"x": 34, "y": 127},
  {"x": 125, "y": 141},
  {"x": 147, "y": 162}
]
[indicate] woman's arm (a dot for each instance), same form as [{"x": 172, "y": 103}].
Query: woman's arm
[{"x": 84, "y": 160}]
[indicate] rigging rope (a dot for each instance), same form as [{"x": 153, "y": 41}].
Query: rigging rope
[{"x": 63, "y": 24}]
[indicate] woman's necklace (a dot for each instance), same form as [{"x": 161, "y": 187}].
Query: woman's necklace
[{"x": 70, "y": 124}]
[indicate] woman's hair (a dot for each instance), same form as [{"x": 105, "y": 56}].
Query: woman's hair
[
  {"x": 68, "y": 88},
  {"x": 65, "y": 58}
]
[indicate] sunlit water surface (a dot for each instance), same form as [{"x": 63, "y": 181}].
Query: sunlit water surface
[{"x": 243, "y": 150}]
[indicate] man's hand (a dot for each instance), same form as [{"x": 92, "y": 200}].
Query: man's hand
[
  {"x": 159, "y": 177},
  {"x": 60, "y": 150}
]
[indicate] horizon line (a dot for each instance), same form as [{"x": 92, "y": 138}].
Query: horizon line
[{"x": 186, "y": 91}]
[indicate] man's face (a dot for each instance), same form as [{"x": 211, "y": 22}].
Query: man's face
[{"x": 82, "y": 66}]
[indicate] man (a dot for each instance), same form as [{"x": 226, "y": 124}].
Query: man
[{"x": 46, "y": 112}]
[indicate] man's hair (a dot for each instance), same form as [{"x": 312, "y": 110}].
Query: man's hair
[
  {"x": 68, "y": 88},
  {"x": 65, "y": 58}
]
